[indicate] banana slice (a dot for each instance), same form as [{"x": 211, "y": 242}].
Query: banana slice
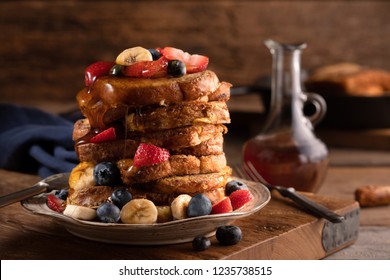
[
  {"x": 80, "y": 212},
  {"x": 133, "y": 55},
  {"x": 82, "y": 176},
  {"x": 164, "y": 214},
  {"x": 139, "y": 211},
  {"x": 179, "y": 206}
]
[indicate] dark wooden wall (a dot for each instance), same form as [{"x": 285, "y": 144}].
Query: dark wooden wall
[{"x": 45, "y": 45}]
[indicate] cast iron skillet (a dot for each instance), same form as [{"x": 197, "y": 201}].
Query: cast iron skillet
[{"x": 343, "y": 112}]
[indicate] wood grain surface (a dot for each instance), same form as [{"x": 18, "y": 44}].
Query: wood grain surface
[
  {"x": 47, "y": 44},
  {"x": 279, "y": 231}
]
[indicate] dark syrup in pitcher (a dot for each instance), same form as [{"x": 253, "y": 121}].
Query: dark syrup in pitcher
[
  {"x": 281, "y": 161},
  {"x": 287, "y": 152}
]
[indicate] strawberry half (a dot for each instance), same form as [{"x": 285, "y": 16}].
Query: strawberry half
[
  {"x": 104, "y": 136},
  {"x": 239, "y": 198},
  {"x": 223, "y": 206},
  {"x": 55, "y": 203},
  {"x": 148, "y": 154},
  {"x": 97, "y": 69},
  {"x": 147, "y": 69},
  {"x": 194, "y": 62}
]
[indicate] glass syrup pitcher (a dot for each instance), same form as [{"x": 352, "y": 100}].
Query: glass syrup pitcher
[{"x": 287, "y": 152}]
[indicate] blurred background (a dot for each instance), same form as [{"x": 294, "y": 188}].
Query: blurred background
[{"x": 46, "y": 45}]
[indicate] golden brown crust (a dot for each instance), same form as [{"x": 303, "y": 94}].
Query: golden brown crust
[
  {"x": 197, "y": 139},
  {"x": 116, "y": 150},
  {"x": 178, "y": 115},
  {"x": 212, "y": 146},
  {"x": 181, "y": 137},
  {"x": 191, "y": 183},
  {"x": 108, "y": 151},
  {"x": 177, "y": 165},
  {"x": 109, "y": 98}
]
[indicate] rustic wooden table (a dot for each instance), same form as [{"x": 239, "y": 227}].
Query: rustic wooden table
[
  {"x": 281, "y": 230},
  {"x": 28, "y": 236}
]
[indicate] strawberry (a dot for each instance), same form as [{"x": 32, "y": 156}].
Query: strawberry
[
  {"x": 194, "y": 62},
  {"x": 239, "y": 198},
  {"x": 148, "y": 154},
  {"x": 147, "y": 69},
  {"x": 97, "y": 69},
  {"x": 55, "y": 203},
  {"x": 104, "y": 136},
  {"x": 222, "y": 206}
]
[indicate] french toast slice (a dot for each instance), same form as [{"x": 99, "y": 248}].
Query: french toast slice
[
  {"x": 116, "y": 150},
  {"x": 198, "y": 183},
  {"x": 107, "y": 151},
  {"x": 200, "y": 139},
  {"x": 152, "y": 118},
  {"x": 178, "y": 115},
  {"x": 177, "y": 165},
  {"x": 180, "y": 137},
  {"x": 110, "y": 98},
  {"x": 212, "y": 146}
]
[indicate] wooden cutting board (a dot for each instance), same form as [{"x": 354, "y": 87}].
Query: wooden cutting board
[{"x": 281, "y": 230}]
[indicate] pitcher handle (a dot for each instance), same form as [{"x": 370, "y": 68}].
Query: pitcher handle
[{"x": 320, "y": 107}]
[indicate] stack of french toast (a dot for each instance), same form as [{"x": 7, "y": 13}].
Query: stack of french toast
[{"x": 161, "y": 128}]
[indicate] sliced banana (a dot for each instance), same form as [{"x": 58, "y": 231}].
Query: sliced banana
[
  {"x": 139, "y": 211},
  {"x": 179, "y": 206},
  {"x": 133, "y": 55},
  {"x": 80, "y": 212},
  {"x": 82, "y": 176},
  {"x": 164, "y": 214}
]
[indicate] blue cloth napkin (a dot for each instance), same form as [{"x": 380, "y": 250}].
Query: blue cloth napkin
[{"x": 35, "y": 141}]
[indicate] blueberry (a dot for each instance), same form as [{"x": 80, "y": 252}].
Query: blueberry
[
  {"x": 199, "y": 205},
  {"x": 201, "y": 243},
  {"x": 120, "y": 197},
  {"x": 106, "y": 174},
  {"x": 62, "y": 194},
  {"x": 108, "y": 213},
  {"x": 155, "y": 54},
  {"x": 228, "y": 235},
  {"x": 116, "y": 70},
  {"x": 234, "y": 185},
  {"x": 176, "y": 68}
]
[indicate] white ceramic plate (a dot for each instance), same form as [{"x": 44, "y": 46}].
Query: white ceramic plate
[{"x": 173, "y": 232}]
